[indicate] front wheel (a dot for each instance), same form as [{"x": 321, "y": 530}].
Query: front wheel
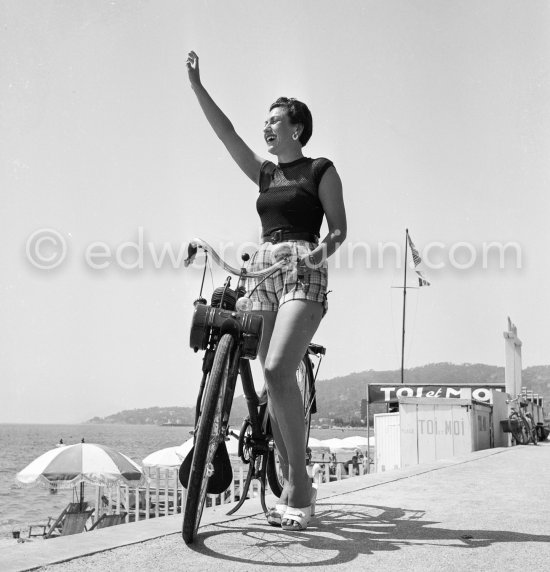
[
  {"x": 209, "y": 434},
  {"x": 304, "y": 379}
]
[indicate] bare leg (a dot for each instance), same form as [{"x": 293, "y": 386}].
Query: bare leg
[
  {"x": 269, "y": 324},
  {"x": 294, "y": 327}
]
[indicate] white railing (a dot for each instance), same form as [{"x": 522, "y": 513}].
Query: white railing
[
  {"x": 327, "y": 472},
  {"x": 164, "y": 495}
]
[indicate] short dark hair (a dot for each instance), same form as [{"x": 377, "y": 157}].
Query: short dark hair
[{"x": 297, "y": 112}]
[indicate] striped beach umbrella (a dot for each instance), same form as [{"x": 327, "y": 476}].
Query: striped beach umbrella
[{"x": 65, "y": 467}]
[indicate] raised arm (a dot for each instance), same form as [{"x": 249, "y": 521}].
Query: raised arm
[{"x": 245, "y": 158}]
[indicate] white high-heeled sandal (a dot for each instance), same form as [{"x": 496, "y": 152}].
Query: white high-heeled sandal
[
  {"x": 300, "y": 517},
  {"x": 275, "y": 515}
]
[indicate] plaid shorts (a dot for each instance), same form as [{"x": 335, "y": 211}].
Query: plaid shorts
[{"x": 274, "y": 291}]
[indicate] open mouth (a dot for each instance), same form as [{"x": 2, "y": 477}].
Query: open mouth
[{"x": 270, "y": 138}]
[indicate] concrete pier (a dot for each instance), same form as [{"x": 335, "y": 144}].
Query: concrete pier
[{"x": 488, "y": 510}]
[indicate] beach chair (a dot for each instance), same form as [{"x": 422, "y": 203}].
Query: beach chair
[
  {"x": 73, "y": 523},
  {"x": 67, "y": 523},
  {"x": 106, "y": 520},
  {"x": 54, "y": 526}
]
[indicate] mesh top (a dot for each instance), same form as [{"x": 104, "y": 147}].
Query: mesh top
[{"x": 289, "y": 198}]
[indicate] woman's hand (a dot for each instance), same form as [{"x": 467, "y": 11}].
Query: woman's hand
[
  {"x": 306, "y": 265},
  {"x": 245, "y": 158},
  {"x": 193, "y": 72}
]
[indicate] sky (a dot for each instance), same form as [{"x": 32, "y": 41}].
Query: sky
[{"x": 436, "y": 115}]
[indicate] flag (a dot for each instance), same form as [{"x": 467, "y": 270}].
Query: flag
[
  {"x": 421, "y": 280},
  {"x": 417, "y": 260},
  {"x": 416, "y": 257}
]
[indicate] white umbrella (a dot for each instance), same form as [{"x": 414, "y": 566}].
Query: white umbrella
[
  {"x": 184, "y": 448},
  {"x": 343, "y": 451},
  {"x": 232, "y": 445},
  {"x": 317, "y": 447},
  {"x": 174, "y": 456},
  {"x": 359, "y": 442},
  {"x": 66, "y": 467},
  {"x": 336, "y": 443},
  {"x": 169, "y": 456}
]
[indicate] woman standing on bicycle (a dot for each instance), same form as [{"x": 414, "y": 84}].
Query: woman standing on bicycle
[{"x": 294, "y": 196}]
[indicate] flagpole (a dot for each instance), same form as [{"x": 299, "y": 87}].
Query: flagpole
[{"x": 404, "y": 307}]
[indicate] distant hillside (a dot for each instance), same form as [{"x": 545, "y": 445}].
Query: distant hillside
[
  {"x": 150, "y": 416},
  {"x": 340, "y": 397}
]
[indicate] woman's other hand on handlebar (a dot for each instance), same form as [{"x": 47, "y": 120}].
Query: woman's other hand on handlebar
[
  {"x": 193, "y": 71},
  {"x": 306, "y": 265}
]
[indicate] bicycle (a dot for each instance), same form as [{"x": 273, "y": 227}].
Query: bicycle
[
  {"x": 533, "y": 429},
  {"x": 521, "y": 424},
  {"x": 230, "y": 336}
]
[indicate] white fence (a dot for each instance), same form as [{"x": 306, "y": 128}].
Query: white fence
[{"x": 164, "y": 495}]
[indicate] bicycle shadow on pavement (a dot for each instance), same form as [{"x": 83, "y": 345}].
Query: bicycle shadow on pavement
[{"x": 339, "y": 534}]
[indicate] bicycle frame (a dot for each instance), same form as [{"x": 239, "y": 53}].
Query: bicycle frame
[
  {"x": 259, "y": 440},
  {"x": 259, "y": 443}
]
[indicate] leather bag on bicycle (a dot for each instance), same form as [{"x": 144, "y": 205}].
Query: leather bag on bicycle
[{"x": 223, "y": 471}]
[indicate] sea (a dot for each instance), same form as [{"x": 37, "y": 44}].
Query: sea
[{"x": 20, "y": 444}]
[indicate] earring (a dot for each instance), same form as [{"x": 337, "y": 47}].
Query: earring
[{"x": 295, "y": 136}]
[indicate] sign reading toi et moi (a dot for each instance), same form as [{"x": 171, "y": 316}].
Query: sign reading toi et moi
[{"x": 387, "y": 393}]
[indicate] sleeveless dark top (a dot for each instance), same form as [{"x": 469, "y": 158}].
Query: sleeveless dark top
[{"x": 289, "y": 197}]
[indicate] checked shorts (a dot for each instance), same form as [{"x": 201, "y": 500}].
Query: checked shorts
[{"x": 284, "y": 285}]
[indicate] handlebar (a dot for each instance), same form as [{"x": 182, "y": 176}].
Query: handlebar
[
  {"x": 282, "y": 255},
  {"x": 519, "y": 400}
]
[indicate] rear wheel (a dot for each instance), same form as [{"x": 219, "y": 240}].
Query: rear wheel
[
  {"x": 208, "y": 436},
  {"x": 304, "y": 378},
  {"x": 525, "y": 433},
  {"x": 532, "y": 429},
  {"x": 519, "y": 429},
  {"x": 514, "y": 425}
]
